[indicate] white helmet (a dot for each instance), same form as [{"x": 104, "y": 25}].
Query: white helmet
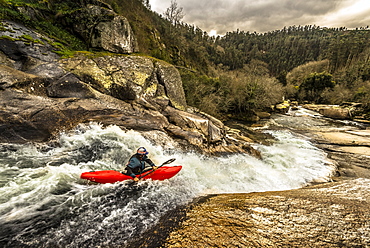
[{"x": 142, "y": 151}]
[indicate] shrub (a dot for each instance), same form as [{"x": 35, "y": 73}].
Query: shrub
[
  {"x": 248, "y": 92},
  {"x": 314, "y": 85},
  {"x": 336, "y": 95},
  {"x": 240, "y": 91},
  {"x": 362, "y": 94},
  {"x": 296, "y": 76}
]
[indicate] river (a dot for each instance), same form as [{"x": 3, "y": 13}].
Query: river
[{"x": 44, "y": 203}]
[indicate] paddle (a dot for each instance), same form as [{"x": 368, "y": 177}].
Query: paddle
[{"x": 151, "y": 171}]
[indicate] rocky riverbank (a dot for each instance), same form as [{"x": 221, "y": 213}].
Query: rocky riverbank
[{"x": 350, "y": 150}]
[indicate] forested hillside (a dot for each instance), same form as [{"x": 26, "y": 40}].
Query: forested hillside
[{"x": 233, "y": 75}]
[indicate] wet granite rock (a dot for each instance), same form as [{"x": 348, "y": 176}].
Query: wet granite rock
[
  {"x": 326, "y": 215},
  {"x": 69, "y": 86},
  {"x": 349, "y": 149}
]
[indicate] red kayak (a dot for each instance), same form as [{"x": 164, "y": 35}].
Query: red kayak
[{"x": 112, "y": 176}]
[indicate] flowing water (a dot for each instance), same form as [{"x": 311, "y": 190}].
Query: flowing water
[{"x": 44, "y": 203}]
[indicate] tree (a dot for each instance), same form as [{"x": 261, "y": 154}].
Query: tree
[
  {"x": 315, "y": 84},
  {"x": 147, "y": 4},
  {"x": 174, "y": 13}
]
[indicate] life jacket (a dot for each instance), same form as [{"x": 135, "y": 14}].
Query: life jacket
[{"x": 139, "y": 168}]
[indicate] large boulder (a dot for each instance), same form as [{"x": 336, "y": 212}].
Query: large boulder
[
  {"x": 343, "y": 112},
  {"x": 206, "y": 132},
  {"x": 69, "y": 86},
  {"x": 336, "y": 113},
  {"x": 102, "y": 28},
  {"x": 282, "y": 107},
  {"x": 131, "y": 78},
  {"x": 211, "y": 133}
]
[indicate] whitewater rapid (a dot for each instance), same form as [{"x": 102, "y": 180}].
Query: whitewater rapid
[{"x": 43, "y": 202}]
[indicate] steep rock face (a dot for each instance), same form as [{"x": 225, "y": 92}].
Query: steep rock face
[
  {"x": 103, "y": 28},
  {"x": 170, "y": 78},
  {"x": 27, "y": 51},
  {"x": 41, "y": 95}
]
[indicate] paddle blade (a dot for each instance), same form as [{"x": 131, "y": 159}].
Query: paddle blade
[{"x": 169, "y": 161}]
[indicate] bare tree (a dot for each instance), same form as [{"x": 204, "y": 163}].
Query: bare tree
[
  {"x": 174, "y": 13},
  {"x": 146, "y": 4}
]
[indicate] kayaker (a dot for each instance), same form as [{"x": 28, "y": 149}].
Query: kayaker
[{"x": 137, "y": 163}]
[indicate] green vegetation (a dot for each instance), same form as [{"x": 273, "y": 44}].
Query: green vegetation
[
  {"x": 237, "y": 93},
  {"x": 314, "y": 85},
  {"x": 27, "y": 39},
  {"x": 233, "y": 75}
]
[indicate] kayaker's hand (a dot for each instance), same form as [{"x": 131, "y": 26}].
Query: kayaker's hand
[
  {"x": 155, "y": 167},
  {"x": 136, "y": 179}
]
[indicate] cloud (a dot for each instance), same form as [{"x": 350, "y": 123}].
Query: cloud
[
  {"x": 351, "y": 15},
  {"x": 267, "y": 15}
]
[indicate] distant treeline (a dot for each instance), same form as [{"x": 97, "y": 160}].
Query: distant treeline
[{"x": 285, "y": 49}]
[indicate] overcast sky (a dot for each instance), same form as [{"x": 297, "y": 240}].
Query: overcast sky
[{"x": 221, "y": 16}]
